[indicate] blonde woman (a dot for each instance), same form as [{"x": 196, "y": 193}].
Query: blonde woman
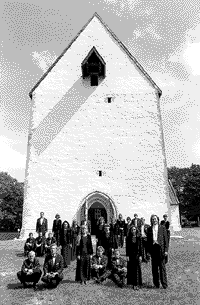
[{"x": 84, "y": 252}]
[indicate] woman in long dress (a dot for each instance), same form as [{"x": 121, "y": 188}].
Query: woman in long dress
[
  {"x": 66, "y": 243},
  {"x": 84, "y": 252},
  {"x": 75, "y": 229},
  {"x": 56, "y": 229},
  {"x": 134, "y": 254}
]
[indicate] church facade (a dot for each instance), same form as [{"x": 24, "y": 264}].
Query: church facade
[{"x": 96, "y": 145}]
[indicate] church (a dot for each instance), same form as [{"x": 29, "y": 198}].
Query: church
[{"x": 96, "y": 143}]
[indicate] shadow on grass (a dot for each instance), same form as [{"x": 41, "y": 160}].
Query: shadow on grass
[
  {"x": 67, "y": 281},
  {"x": 14, "y": 286}
]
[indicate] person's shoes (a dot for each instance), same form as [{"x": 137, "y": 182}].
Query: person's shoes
[
  {"x": 85, "y": 282},
  {"x": 82, "y": 283},
  {"x": 25, "y": 285},
  {"x": 35, "y": 286},
  {"x": 156, "y": 286},
  {"x": 164, "y": 287},
  {"x": 98, "y": 281}
]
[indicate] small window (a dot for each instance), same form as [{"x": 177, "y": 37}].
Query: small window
[
  {"x": 100, "y": 173},
  {"x": 109, "y": 99}
]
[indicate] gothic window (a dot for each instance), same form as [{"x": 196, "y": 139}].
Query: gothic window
[{"x": 93, "y": 67}]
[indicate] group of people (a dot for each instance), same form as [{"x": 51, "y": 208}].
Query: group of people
[{"x": 142, "y": 242}]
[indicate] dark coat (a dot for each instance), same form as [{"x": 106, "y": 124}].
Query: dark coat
[
  {"x": 138, "y": 222},
  {"x": 104, "y": 261},
  {"x": 121, "y": 225},
  {"x": 27, "y": 264},
  {"x": 127, "y": 228},
  {"x": 57, "y": 226},
  {"x": 162, "y": 240},
  {"x": 42, "y": 228},
  {"x": 109, "y": 242},
  {"x": 115, "y": 266},
  {"x": 133, "y": 249},
  {"x": 57, "y": 267},
  {"x": 166, "y": 224},
  {"x": 32, "y": 246},
  {"x": 79, "y": 248}
]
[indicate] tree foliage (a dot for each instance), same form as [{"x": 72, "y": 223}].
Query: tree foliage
[
  {"x": 186, "y": 182},
  {"x": 11, "y": 201}
]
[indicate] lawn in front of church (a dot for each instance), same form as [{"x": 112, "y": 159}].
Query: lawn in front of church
[{"x": 183, "y": 271}]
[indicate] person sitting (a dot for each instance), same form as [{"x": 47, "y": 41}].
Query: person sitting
[
  {"x": 29, "y": 244},
  {"x": 30, "y": 271},
  {"x": 53, "y": 268},
  {"x": 40, "y": 244},
  {"x": 118, "y": 269},
  {"x": 99, "y": 264},
  {"x": 49, "y": 241}
]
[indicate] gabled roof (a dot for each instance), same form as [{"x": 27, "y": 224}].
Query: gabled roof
[
  {"x": 97, "y": 53},
  {"x": 119, "y": 42}
]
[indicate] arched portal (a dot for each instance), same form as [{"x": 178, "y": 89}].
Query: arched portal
[{"x": 94, "y": 205}]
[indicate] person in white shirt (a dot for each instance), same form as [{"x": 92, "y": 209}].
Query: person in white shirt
[{"x": 157, "y": 243}]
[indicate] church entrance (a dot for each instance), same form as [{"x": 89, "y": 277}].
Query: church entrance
[{"x": 95, "y": 211}]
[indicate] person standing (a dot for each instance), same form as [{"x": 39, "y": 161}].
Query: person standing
[
  {"x": 42, "y": 224},
  {"x": 75, "y": 232},
  {"x": 114, "y": 230},
  {"x": 40, "y": 244},
  {"x": 121, "y": 226},
  {"x": 66, "y": 243},
  {"x": 100, "y": 231},
  {"x": 157, "y": 242},
  {"x": 56, "y": 229},
  {"x": 108, "y": 243},
  {"x": 53, "y": 268},
  {"x": 143, "y": 234},
  {"x": 134, "y": 257},
  {"x": 127, "y": 229},
  {"x": 30, "y": 271},
  {"x": 166, "y": 223},
  {"x": 87, "y": 223},
  {"x": 84, "y": 254},
  {"x": 136, "y": 222}
]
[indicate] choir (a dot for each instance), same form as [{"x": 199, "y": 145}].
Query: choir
[{"x": 142, "y": 243}]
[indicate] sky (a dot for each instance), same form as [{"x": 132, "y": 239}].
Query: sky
[{"x": 164, "y": 36}]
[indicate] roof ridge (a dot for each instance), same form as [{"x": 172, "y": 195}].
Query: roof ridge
[{"x": 118, "y": 41}]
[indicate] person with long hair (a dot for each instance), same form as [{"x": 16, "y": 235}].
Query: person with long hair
[
  {"x": 128, "y": 225},
  {"x": 75, "y": 229},
  {"x": 108, "y": 243},
  {"x": 56, "y": 229},
  {"x": 121, "y": 225},
  {"x": 100, "y": 231},
  {"x": 157, "y": 243},
  {"x": 66, "y": 243},
  {"x": 84, "y": 252},
  {"x": 114, "y": 230},
  {"x": 134, "y": 257}
]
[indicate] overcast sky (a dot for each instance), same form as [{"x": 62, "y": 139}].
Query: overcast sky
[{"x": 163, "y": 35}]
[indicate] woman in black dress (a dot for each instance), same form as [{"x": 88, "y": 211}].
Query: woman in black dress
[
  {"x": 56, "y": 230},
  {"x": 134, "y": 254},
  {"x": 114, "y": 230},
  {"x": 66, "y": 243},
  {"x": 84, "y": 252},
  {"x": 75, "y": 232},
  {"x": 100, "y": 231}
]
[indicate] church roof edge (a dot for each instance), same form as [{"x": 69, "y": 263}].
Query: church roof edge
[{"x": 119, "y": 42}]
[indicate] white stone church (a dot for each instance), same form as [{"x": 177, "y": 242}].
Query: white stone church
[{"x": 96, "y": 144}]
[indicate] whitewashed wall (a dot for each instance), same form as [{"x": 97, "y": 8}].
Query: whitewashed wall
[{"x": 77, "y": 133}]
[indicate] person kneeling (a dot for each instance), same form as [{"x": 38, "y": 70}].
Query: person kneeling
[
  {"x": 53, "y": 268},
  {"x": 30, "y": 271},
  {"x": 119, "y": 269},
  {"x": 99, "y": 266}
]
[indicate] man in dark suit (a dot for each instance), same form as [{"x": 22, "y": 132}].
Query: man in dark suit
[
  {"x": 53, "y": 268},
  {"x": 119, "y": 269},
  {"x": 166, "y": 223},
  {"x": 136, "y": 222},
  {"x": 157, "y": 242},
  {"x": 143, "y": 229},
  {"x": 99, "y": 265},
  {"x": 42, "y": 224},
  {"x": 29, "y": 244},
  {"x": 122, "y": 226},
  {"x": 30, "y": 271},
  {"x": 48, "y": 242}
]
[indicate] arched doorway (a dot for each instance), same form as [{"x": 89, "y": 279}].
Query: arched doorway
[
  {"x": 94, "y": 212},
  {"x": 100, "y": 204}
]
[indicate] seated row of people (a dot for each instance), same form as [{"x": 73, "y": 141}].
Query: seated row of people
[{"x": 53, "y": 269}]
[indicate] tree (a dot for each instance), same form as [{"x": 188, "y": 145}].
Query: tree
[{"x": 11, "y": 199}]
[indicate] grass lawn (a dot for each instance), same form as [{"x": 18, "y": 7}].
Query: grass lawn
[{"x": 183, "y": 271}]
